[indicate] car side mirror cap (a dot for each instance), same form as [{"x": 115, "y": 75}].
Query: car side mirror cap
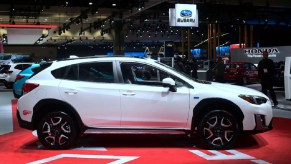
[{"x": 169, "y": 82}]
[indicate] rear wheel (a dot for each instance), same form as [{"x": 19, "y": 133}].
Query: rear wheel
[
  {"x": 57, "y": 130},
  {"x": 218, "y": 130}
]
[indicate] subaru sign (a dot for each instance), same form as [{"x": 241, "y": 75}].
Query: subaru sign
[{"x": 184, "y": 15}]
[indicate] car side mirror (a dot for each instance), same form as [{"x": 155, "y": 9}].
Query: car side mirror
[{"x": 170, "y": 83}]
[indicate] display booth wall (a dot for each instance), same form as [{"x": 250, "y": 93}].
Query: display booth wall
[{"x": 254, "y": 55}]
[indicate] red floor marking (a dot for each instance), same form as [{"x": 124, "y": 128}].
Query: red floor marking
[
  {"x": 14, "y": 111},
  {"x": 80, "y": 160},
  {"x": 22, "y": 147}
]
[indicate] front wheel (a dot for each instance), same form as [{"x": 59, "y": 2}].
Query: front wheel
[
  {"x": 57, "y": 130},
  {"x": 218, "y": 130}
]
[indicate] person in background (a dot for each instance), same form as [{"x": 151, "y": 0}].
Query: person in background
[
  {"x": 266, "y": 72},
  {"x": 219, "y": 70},
  {"x": 179, "y": 65},
  {"x": 194, "y": 68}
]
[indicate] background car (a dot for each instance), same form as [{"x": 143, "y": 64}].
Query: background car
[
  {"x": 11, "y": 71},
  {"x": 14, "y": 58},
  {"x": 241, "y": 72},
  {"x": 21, "y": 78},
  {"x": 3, "y": 72},
  {"x": 279, "y": 74}
]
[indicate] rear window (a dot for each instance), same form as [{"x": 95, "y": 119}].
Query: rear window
[
  {"x": 22, "y": 66},
  {"x": 4, "y": 68},
  {"x": 232, "y": 66},
  {"x": 43, "y": 66}
]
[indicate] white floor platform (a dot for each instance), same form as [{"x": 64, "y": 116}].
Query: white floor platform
[{"x": 6, "y": 123}]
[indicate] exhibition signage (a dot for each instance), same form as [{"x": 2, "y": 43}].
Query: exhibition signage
[
  {"x": 183, "y": 15},
  {"x": 257, "y": 52},
  {"x": 254, "y": 55}
]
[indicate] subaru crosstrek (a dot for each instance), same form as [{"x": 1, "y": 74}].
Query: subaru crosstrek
[{"x": 110, "y": 94}]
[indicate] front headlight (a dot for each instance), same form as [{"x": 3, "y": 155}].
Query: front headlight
[{"x": 254, "y": 99}]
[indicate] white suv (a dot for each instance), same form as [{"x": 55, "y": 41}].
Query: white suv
[
  {"x": 9, "y": 72},
  {"x": 124, "y": 94}
]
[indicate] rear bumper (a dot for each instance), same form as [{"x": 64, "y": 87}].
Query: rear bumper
[{"x": 24, "y": 124}]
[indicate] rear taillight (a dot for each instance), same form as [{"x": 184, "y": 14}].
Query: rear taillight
[
  {"x": 27, "y": 87},
  {"x": 8, "y": 72},
  {"x": 19, "y": 77}
]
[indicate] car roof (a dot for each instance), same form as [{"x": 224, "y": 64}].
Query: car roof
[
  {"x": 16, "y": 63},
  {"x": 99, "y": 56},
  {"x": 104, "y": 58},
  {"x": 65, "y": 62}
]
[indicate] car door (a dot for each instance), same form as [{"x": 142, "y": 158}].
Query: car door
[
  {"x": 145, "y": 103},
  {"x": 90, "y": 88}
]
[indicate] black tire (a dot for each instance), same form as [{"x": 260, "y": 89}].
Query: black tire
[
  {"x": 57, "y": 130},
  {"x": 8, "y": 85},
  {"x": 218, "y": 129}
]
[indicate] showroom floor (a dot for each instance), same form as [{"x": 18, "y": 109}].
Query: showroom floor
[{"x": 21, "y": 146}]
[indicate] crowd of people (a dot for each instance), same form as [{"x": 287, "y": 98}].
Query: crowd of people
[
  {"x": 188, "y": 67},
  {"x": 191, "y": 67}
]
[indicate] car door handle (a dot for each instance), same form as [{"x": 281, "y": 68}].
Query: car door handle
[
  {"x": 71, "y": 92},
  {"x": 128, "y": 93}
]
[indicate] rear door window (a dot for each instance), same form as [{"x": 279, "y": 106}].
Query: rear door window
[
  {"x": 96, "y": 72},
  {"x": 90, "y": 72}
]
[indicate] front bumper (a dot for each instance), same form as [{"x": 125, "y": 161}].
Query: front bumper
[
  {"x": 24, "y": 124},
  {"x": 261, "y": 125}
]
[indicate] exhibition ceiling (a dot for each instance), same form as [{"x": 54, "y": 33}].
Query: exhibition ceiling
[{"x": 90, "y": 21}]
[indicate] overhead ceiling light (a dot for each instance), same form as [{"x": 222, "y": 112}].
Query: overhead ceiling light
[
  {"x": 114, "y": 4},
  {"x": 90, "y": 3}
]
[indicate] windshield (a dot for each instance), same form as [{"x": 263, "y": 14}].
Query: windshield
[
  {"x": 184, "y": 74},
  {"x": 179, "y": 72}
]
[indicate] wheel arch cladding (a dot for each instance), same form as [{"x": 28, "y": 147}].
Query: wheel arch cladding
[
  {"x": 206, "y": 105},
  {"x": 52, "y": 105}
]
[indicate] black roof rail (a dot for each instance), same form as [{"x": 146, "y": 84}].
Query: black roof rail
[{"x": 98, "y": 56}]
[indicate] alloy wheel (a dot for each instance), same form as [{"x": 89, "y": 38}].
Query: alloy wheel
[
  {"x": 218, "y": 130},
  {"x": 57, "y": 131}
]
